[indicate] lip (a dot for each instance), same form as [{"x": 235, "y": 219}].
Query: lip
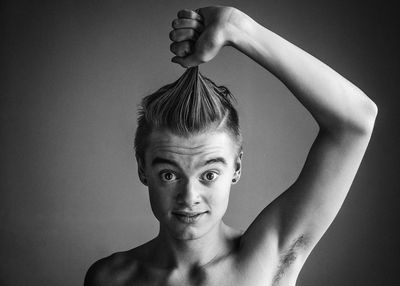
[
  {"x": 187, "y": 213},
  {"x": 188, "y": 217}
]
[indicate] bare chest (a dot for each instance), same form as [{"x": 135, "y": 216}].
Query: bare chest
[{"x": 223, "y": 274}]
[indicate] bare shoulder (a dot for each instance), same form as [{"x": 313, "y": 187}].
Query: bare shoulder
[
  {"x": 105, "y": 270},
  {"x": 119, "y": 268}
]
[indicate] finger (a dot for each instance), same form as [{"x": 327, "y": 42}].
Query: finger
[
  {"x": 185, "y": 62},
  {"x": 189, "y": 14},
  {"x": 181, "y": 49},
  {"x": 183, "y": 35},
  {"x": 182, "y": 23}
]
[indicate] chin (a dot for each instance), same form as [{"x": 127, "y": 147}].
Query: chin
[
  {"x": 187, "y": 233},
  {"x": 191, "y": 232},
  {"x": 181, "y": 229},
  {"x": 187, "y": 236}
]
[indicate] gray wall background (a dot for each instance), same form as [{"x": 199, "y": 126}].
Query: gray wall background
[{"x": 72, "y": 74}]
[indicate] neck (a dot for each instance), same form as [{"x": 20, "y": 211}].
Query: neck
[{"x": 179, "y": 253}]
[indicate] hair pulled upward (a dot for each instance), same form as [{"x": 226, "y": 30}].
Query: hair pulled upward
[{"x": 190, "y": 105}]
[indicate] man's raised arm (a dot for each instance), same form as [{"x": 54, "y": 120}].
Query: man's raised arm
[{"x": 298, "y": 218}]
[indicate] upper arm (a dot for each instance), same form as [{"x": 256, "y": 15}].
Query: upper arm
[{"x": 297, "y": 219}]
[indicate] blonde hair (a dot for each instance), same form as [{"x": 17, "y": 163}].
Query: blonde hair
[{"x": 190, "y": 105}]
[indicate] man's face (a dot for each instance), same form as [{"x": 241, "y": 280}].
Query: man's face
[{"x": 189, "y": 180}]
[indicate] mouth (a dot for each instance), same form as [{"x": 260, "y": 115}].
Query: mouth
[{"x": 188, "y": 217}]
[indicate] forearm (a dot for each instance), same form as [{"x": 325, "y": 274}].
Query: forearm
[{"x": 335, "y": 103}]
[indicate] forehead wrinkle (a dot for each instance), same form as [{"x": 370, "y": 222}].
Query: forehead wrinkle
[
  {"x": 189, "y": 150},
  {"x": 183, "y": 150},
  {"x": 168, "y": 146},
  {"x": 190, "y": 160},
  {"x": 197, "y": 156}
]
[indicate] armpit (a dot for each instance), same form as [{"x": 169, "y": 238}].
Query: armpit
[{"x": 289, "y": 257}]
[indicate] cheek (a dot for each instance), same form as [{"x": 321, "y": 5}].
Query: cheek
[
  {"x": 220, "y": 196},
  {"x": 159, "y": 201}
]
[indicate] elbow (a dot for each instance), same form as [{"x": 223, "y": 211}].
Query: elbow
[
  {"x": 360, "y": 114},
  {"x": 368, "y": 113},
  {"x": 357, "y": 119}
]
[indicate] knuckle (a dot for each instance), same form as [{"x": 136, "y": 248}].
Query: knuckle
[
  {"x": 191, "y": 14},
  {"x": 178, "y": 35},
  {"x": 175, "y": 23},
  {"x": 182, "y": 49},
  {"x": 172, "y": 47},
  {"x": 187, "y": 13},
  {"x": 172, "y": 35},
  {"x": 182, "y": 13}
]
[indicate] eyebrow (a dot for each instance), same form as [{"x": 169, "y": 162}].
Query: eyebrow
[
  {"x": 160, "y": 160},
  {"x": 215, "y": 160}
]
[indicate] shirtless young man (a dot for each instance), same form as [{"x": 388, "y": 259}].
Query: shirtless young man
[{"x": 189, "y": 177}]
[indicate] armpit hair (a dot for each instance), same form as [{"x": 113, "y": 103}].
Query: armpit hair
[{"x": 290, "y": 256}]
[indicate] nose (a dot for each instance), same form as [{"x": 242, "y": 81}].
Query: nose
[{"x": 188, "y": 194}]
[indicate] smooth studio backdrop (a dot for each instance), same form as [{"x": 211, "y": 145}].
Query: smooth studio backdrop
[{"x": 72, "y": 75}]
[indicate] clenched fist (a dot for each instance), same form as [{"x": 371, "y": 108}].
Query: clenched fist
[{"x": 199, "y": 35}]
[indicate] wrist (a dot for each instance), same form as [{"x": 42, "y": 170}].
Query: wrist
[{"x": 239, "y": 29}]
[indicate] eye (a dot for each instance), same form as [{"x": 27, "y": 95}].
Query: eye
[
  {"x": 209, "y": 176},
  {"x": 168, "y": 176}
]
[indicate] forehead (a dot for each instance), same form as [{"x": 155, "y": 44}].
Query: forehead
[{"x": 190, "y": 149}]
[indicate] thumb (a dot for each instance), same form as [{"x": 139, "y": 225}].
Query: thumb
[{"x": 185, "y": 62}]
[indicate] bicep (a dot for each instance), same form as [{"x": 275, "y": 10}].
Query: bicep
[
  {"x": 305, "y": 210},
  {"x": 310, "y": 205}
]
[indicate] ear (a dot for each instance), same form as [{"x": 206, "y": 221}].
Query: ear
[
  {"x": 141, "y": 172},
  {"x": 238, "y": 168}
]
